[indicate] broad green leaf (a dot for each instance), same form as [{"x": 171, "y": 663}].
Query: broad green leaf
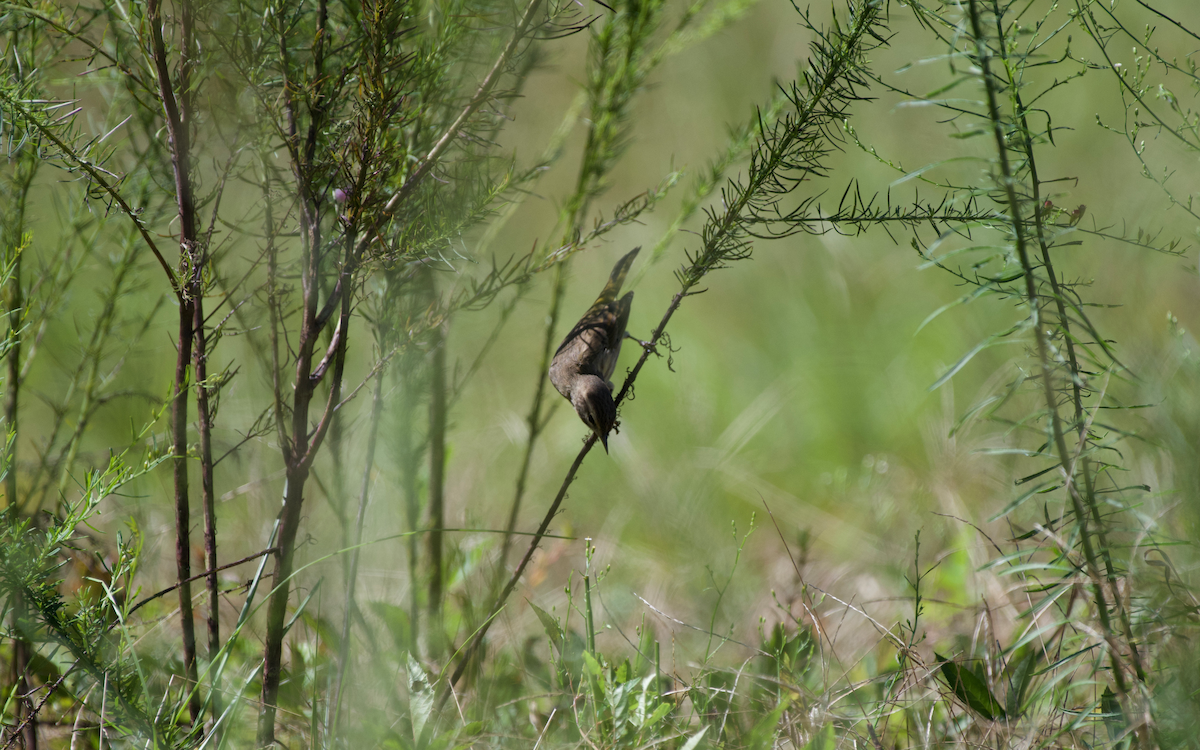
[
  {"x": 420, "y": 696},
  {"x": 662, "y": 710},
  {"x": 592, "y": 665},
  {"x": 1114, "y": 717},
  {"x": 971, "y": 690}
]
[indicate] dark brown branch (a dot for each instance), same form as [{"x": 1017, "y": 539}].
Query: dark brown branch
[
  {"x": 189, "y": 294},
  {"x": 300, "y": 448},
  {"x": 204, "y": 419}
]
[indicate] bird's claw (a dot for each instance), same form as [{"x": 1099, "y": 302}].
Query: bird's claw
[{"x": 648, "y": 346}]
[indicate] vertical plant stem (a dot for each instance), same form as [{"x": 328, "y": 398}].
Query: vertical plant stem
[
  {"x": 178, "y": 118},
  {"x": 590, "y": 635},
  {"x": 1076, "y": 383},
  {"x": 14, "y": 302},
  {"x": 437, "y": 473},
  {"x": 1048, "y": 391},
  {"x": 289, "y": 522},
  {"x": 14, "y": 309},
  {"x": 410, "y": 456},
  {"x": 300, "y": 445},
  {"x": 208, "y": 497},
  {"x": 336, "y": 498},
  {"x": 25, "y": 712},
  {"x": 21, "y": 647},
  {"x": 337, "y": 494},
  {"x": 298, "y": 456},
  {"x": 1080, "y": 416},
  {"x": 183, "y": 566}
]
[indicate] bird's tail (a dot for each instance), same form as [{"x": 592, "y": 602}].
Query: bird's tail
[{"x": 613, "y": 287}]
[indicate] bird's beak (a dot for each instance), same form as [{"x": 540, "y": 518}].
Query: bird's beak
[{"x": 604, "y": 442}]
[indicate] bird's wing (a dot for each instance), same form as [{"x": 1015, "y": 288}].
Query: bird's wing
[
  {"x": 606, "y": 363},
  {"x": 589, "y": 340},
  {"x": 594, "y": 343}
]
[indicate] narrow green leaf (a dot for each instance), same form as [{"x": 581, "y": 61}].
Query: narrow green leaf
[
  {"x": 1042, "y": 488},
  {"x": 1011, "y": 452},
  {"x": 553, "y": 630},
  {"x": 961, "y": 421},
  {"x": 962, "y": 362},
  {"x": 917, "y": 173},
  {"x": 1041, "y": 567},
  {"x": 1019, "y": 683},
  {"x": 694, "y": 740}
]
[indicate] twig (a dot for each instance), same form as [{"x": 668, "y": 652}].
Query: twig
[
  {"x": 477, "y": 639},
  {"x": 197, "y": 577},
  {"x": 190, "y": 296},
  {"x": 17, "y": 732},
  {"x": 473, "y": 646},
  {"x": 705, "y": 631},
  {"x": 94, "y": 173},
  {"x": 724, "y": 242}
]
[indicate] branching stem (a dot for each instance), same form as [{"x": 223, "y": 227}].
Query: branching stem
[{"x": 1007, "y": 184}]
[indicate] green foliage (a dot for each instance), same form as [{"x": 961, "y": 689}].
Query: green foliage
[
  {"x": 344, "y": 160},
  {"x": 31, "y": 574}
]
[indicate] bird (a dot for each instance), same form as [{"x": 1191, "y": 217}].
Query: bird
[{"x": 582, "y": 367}]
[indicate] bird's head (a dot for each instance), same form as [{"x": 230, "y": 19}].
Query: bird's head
[{"x": 593, "y": 403}]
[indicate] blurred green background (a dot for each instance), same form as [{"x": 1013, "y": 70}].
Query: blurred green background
[{"x": 799, "y": 383}]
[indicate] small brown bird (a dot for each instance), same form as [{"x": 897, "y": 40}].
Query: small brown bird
[{"x": 584, "y": 363}]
